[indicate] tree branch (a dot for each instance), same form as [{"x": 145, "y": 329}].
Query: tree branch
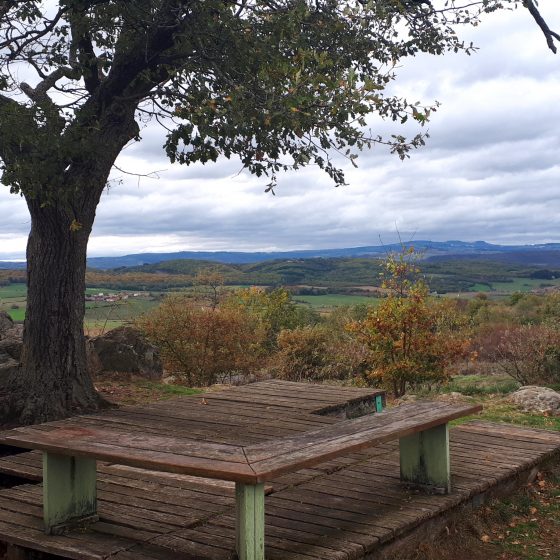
[
  {"x": 548, "y": 33},
  {"x": 82, "y": 48}
]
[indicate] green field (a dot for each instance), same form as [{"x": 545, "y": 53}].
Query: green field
[
  {"x": 13, "y": 300},
  {"x": 335, "y": 300},
  {"x": 119, "y": 310},
  {"x": 523, "y": 285},
  {"x": 13, "y": 291},
  {"x": 100, "y": 316}
]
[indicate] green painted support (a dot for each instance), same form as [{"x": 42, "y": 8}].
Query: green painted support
[
  {"x": 249, "y": 505},
  {"x": 378, "y": 403},
  {"x": 69, "y": 492},
  {"x": 425, "y": 459}
]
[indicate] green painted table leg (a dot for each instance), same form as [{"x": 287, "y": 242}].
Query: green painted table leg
[
  {"x": 378, "y": 403},
  {"x": 69, "y": 491},
  {"x": 249, "y": 505},
  {"x": 425, "y": 459}
]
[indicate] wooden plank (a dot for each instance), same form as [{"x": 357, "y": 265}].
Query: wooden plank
[
  {"x": 315, "y": 447},
  {"x": 86, "y": 443},
  {"x": 511, "y": 432},
  {"x": 289, "y": 444}
]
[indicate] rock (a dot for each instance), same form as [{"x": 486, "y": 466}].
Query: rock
[
  {"x": 7, "y": 366},
  {"x": 10, "y": 339},
  {"x": 12, "y": 347},
  {"x": 532, "y": 398},
  {"x": 6, "y": 323},
  {"x": 405, "y": 399},
  {"x": 124, "y": 350}
]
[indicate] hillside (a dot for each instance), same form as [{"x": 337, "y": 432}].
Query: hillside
[{"x": 429, "y": 248}]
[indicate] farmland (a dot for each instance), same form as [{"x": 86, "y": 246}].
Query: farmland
[{"x": 319, "y": 283}]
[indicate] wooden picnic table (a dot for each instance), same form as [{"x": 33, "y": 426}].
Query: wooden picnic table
[{"x": 72, "y": 447}]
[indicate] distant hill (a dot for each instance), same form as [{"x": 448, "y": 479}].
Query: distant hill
[
  {"x": 11, "y": 265},
  {"x": 431, "y": 249}
]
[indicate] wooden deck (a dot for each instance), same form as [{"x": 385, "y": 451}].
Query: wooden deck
[{"x": 344, "y": 509}]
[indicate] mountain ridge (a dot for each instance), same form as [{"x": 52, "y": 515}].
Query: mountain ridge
[{"x": 431, "y": 249}]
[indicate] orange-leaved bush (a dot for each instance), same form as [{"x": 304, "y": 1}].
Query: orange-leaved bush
[{"x": 203, "y": 342}]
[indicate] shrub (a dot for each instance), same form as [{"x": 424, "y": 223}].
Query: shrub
[
  {"x": 317, "y": 353},
  {"x": 274, "y": 310},
  {"x": 202, "y": 342},
  {"x": 530, "y": 354}
]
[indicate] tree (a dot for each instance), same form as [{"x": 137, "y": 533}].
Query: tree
[
  {"x": 411, "y": 338},
  {"x": 276, "y": 83}
]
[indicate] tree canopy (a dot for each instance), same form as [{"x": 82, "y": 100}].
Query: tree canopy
[{"x": 276, "y": 83}]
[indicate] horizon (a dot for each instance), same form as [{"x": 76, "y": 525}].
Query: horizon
[{"x": 297, "y": 250}]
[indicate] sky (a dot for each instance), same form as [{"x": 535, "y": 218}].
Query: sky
[{"x": 489, "y": 171}]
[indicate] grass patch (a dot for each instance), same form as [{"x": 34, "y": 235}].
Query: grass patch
[
  {"x": 12, "y": 291},
  {"x": 499, "y": 410},
  {"x": 17, "y": 315},
  {"x": 473, "y": 385},
  {"x": 522, "y": 285},
  {"x": 125, "y": 390},
  {"x": 172, "y": 390}
]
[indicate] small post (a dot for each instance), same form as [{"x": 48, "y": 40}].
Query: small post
[
  {"x": 14, "y": 552},
  {"x": 69, "y": 492},
  {"x": 249, "y": 527},
  {"x": 424, "y": 459},
  {"x": 378, "y": 403}
]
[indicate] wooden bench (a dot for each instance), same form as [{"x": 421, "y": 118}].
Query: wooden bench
[{"x": 71, "y": 449}]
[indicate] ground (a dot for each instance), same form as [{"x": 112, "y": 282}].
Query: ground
[{"x": 524, "y": 527}]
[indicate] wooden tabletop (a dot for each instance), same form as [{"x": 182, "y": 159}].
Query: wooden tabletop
[{"x": 91, "y": 437}]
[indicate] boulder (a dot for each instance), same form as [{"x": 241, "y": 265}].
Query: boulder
[
  {"x": 10, "y": 340},
  {"x": 8, "y": 367},
  {"x": 532, "y": 398},
  {"x": 6, "y": 323},
  {"x": 124, "y": 350},
  {"x": 12, "y": 347}
]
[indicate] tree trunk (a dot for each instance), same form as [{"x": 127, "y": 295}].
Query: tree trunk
[{"x": 54, "y": 381}]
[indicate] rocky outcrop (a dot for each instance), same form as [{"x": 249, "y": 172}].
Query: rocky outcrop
[
  {"x": 6, "y": 322},
  {"x": 10, "y": 341},
  {"x": 532, "y": 398},
  {"x": 124, "y": 350}
]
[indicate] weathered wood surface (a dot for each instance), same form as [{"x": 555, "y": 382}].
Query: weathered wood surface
[
  {"x": 251, "y": 464},
  {"x": 343, "y": 513},
  {"x": 339, "y": 509}
]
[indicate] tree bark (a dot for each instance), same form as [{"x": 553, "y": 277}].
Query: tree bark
[{"x": 54, "y": 379}]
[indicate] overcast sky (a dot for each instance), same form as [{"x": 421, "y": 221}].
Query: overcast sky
[{"x": 490, "y": 171}]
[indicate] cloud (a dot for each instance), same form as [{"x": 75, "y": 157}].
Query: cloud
[{"x": 489, "y": 170}]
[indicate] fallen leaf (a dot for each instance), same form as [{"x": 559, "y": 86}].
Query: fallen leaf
[{"x": 485, "y": 538}]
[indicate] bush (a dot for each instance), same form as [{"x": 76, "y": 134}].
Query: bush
[
  {"x": 317, "y": 353},
  {"x": 530, "y": 354},
  {"x": 274, "y": 310},
  {"x": 201, "y": 342}
]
